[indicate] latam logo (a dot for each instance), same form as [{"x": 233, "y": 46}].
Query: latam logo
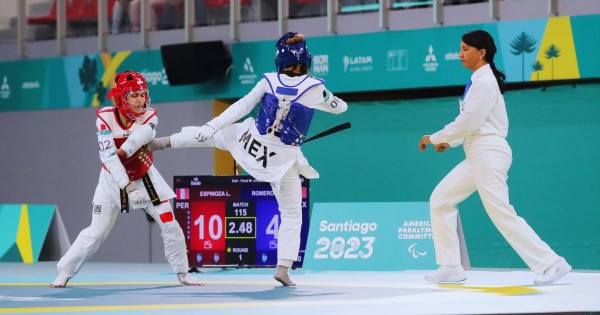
[{"x": 358, "y": 63}]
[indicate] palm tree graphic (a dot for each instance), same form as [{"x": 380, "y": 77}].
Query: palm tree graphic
[
  {"x": 522, "y": 44},
  {"x": 537, "y": 67},
  {"x": 551, "y": 53}
]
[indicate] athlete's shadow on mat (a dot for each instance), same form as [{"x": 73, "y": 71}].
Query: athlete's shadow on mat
[
  {"x": 92, "y": 291},
  {"x": 268, "y": 294},
  {"x": 214, "y": 291}
]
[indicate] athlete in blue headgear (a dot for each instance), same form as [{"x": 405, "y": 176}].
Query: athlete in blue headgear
[{"x": 268, "y": 147}]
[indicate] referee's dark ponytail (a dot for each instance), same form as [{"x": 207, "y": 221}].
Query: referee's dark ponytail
[{"x": 481, "y": 39}]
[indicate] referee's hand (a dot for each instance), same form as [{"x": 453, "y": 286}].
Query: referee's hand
[
  {"x": 424, "y": 142},
  {"x": 441, "y": 147}
]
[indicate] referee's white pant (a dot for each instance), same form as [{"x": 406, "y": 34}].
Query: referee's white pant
[{"x": 485, "y": 170}]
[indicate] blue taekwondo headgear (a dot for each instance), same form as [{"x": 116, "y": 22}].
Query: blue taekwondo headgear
[{"x": 292, "y": 54}]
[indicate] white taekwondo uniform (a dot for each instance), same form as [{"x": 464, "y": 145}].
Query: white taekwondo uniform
[
  {"x": 483, "y": 124},
  {"x": 265, "y": 156},
  {"x": 115, "y": 174}
]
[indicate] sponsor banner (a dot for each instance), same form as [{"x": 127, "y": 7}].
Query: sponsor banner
[
  {"x": 373, "y": 236},
  {"x": 528, "y": 50}
]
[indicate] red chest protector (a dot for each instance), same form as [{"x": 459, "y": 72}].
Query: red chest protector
[{"x": 136, "y": 165}]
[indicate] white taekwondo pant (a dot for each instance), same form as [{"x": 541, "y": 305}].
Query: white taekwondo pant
[{"x": 103, "y": 219}]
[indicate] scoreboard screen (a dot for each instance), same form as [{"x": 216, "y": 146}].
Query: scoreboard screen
[{"x": 232, "y": 221}]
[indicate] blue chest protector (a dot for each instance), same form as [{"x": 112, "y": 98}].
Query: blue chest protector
[{"x": 292, "y": 128}]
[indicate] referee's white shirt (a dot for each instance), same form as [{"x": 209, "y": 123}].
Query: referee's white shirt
[{"x": 482, "y": 112}]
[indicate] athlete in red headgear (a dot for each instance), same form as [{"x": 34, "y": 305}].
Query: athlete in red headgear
[
  {"x": 128, "y": 179},
  {"x": 130, "y": 84}
]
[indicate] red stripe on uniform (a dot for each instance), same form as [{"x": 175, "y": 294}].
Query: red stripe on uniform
[
  {"x": 104, "y": 121},
  {"x": 150, "y": 117},
  {"x": 166, "y": 217}
]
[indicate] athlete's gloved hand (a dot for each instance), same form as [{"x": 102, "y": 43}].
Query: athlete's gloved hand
[
  {"x": 136, "y": 195},
  {"x": 205, "y": 133},
  {"x": 157, "y": 144}
]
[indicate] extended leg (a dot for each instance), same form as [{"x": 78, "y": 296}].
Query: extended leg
[
  {"x": 87, "y": 243},
  {"x": 491, "y": 169},
  {"x": 174, "y": 242}
]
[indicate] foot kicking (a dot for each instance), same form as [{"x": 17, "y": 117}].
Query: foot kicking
[
  {"x": 447, "y": 274},
  {"x": 283, "y": 276},
  {"x": 60, "y": 281},
  {"x": 551, "y": 275},
  {"x": 187, "y": 279}
]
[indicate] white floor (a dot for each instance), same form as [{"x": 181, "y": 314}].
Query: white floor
[{"x": 110, "y": 288}]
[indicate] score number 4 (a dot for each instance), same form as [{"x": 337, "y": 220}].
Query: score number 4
[{"x": 348, "y": 249}]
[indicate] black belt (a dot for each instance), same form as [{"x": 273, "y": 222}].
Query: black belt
[
  {"x": 149, "y": 188},
  {"x": 124, "y": 201}
]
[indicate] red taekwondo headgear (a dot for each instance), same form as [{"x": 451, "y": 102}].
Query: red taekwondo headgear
[{"x": 126, "y": 83}]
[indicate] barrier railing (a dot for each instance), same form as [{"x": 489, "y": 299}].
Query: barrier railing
[{"x": 63, "y": 12}]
